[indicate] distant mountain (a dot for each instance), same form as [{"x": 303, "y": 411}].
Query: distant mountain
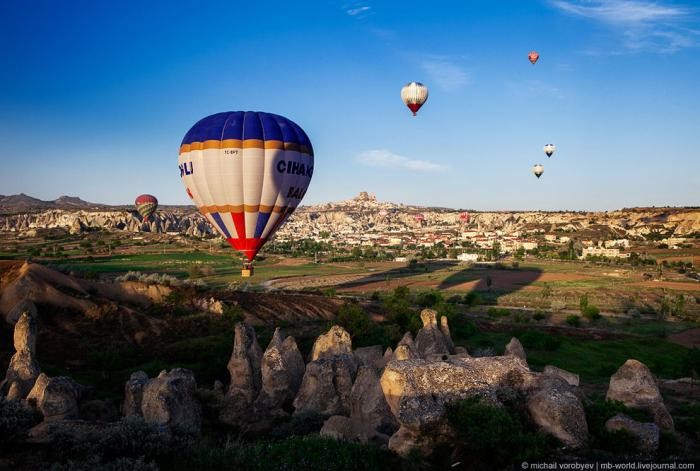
[
  {"x": 74, "y": 202},
  {"x": 26, "y": 202}
]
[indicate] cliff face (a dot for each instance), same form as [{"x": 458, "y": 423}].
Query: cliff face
[
  {"x": 116, "y": 220},
  {"x": 365, "y": 214}
]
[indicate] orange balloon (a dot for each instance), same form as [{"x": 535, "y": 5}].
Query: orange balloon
[{"x": 533, "y": 56}]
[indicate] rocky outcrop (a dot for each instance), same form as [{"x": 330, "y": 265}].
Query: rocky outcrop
[
  {"x": 133, "y": 393},
  {"x": 23, "y": 369},
  {"x": 326, "y": 386},
  {"x": 369, "y": 356},
  {"x": 635, "y": 386},
  {"x": 56, "y": 398},
  {"x": 246, "y": 376},
  {"x": 558, "y": 411},
  {"x": 571, "y": 378},
  {"x": 418, "y": 392},
  {"x": 336, "y": 341},
  {"x": 431, "y": 339},
  {"x": 515, "y": 349},
  {"x": 169, "y": 400},
  {"x": 282, "y": 369},
  {"x": 647, "y": 434}
]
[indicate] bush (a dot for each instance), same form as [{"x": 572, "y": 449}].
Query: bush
[
  {"x": 539, "y": 315},
  {"x": 492, "y": 437},
  {"x": 498, "y": 312},
  {"x": 291, "y": 454},
  {"x": 472, "y": 299},
  {"x": 573, "y": 320},
  {"x": 591, "y": 312},
  {"x": 15, "y": 420},
  {"x": 363, "y": 330},
  {"x": 598, "y": 411},
  {"x": 429, "y": 299}
]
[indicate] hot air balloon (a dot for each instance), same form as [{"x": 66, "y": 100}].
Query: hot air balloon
[
  {"x": 533, "y": 57},
  {"x": 538, "y": 170},
  {"x": 414, "y": 95},
  {"x": 247, "y": 172},
  {"x": 146, "y": 205},
  {"x": 419, "y": 218},
  {"x": 549, "y": 149},
  {"x": 383, "y": 212},
  {"x": 464, "y": 217}
]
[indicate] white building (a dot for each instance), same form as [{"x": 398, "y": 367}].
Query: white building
[
  {"x": 468, "y": 257},
  {"x": 620, "y": 243},
  {"x": 603, "y": 252}
]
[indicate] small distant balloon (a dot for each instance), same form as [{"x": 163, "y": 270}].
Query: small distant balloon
[
  {"x": 419, "y": 217},
  {"x": 538, "y": 170},
  {"x": 464, "y": 217},
  {"x": 549, "y": 149},
  {"x": 533, "y": 57},
  {"x": 146, "y": 205},
  {"x": 383, "y": 212},
  {"x": 414, "y": 95}
]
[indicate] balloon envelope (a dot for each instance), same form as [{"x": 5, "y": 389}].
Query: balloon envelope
[
  {"x": 464, "y": 216},
  {"x": 538, "y": 170},
  {"x": 146, "y": 205},
  {"x": 247, "y": 172},
  {"x": 533, "y": 56},
  {"x": 414, "y": 95},
  {"x": 549, "y": 149},
  {"x": 419, "y": 217}
]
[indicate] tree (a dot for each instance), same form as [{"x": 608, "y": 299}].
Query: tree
[
  {"x": 496, "y": 250},
  {"x": 489, "y": 282}
]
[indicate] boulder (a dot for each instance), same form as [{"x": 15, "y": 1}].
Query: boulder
[
  {"x": 336, "y": 341},
  {"x": 571, "y": 378},
  {"x": 369, "y": 356},
  {"x": 445, "y": 329},
  {"x": 56, "y": 398},
  {"x": 246, "y": 377},
  {"x": 558, "y": 411},
  {"x": 326, "y": 386},
  {"x": 169, "y": 400},
  {"x": 647, "y": 434},
  {"x": 431, "y": 340},
  {"x": 23, "y": 369},
  {"x": 133, "y": 393},
  {"x": 515, "y": 348},
  {"x": 368, "y": 404},
  {"x": 403, "y": 353},
  {"x": 418, "y": 392},
  {"x": 282, "y": 370},
  {"x": 635, "y": 386}
]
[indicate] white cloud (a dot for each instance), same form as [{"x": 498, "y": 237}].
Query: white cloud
[
  {"x": 644, "y": 25},
  {"x": 385, "y": 158},
  {"x": 358, "y": 10},
  {"x": 621, "y": 11},
  {"x": 444, "y": 72}
]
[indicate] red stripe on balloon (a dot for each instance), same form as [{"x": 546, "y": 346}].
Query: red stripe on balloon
[{"x": 239, "y": 223}]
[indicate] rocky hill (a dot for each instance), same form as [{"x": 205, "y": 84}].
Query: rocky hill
[{"x": 360, "y": 215}]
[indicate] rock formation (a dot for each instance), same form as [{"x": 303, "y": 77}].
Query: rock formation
[
  {"x": 369, "y": 356},
  {"x": 336, "y": 341},
  {"x": 169, "y": 400},
  {"x": 246, "y": 376},
  {"x": 328, "y": 379},
  {"x": 515, "y": 348},
  {"x": 56, "y": 398},
  {"x": 431, "y": 339},
  {"x": 635, "y": 386},
  {"x": 282, "y": 370},
  {"x": 23, "y": 369},
  {"x": 557, "y": 410},
  {"x": 571, "y": 378},
  {"x": 133, "y": 393},
  {"x": 647, "y": 434}
]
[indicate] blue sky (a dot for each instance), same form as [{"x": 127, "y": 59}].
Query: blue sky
[{"x": 95, "y": 97}]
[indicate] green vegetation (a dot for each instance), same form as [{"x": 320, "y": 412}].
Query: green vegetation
[{"x": 490, "y": 437}]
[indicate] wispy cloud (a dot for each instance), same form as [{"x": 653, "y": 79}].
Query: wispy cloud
[
  {"x": 643, "y": 25},
  {"x": 358, "y": 10},
  {"x": 445, "y": 72},
  {"x": 385, "y": 158},
  {"x": 534, "y": 88}
]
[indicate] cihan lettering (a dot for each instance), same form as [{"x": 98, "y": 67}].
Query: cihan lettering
[{"x": 296, "y": 168}]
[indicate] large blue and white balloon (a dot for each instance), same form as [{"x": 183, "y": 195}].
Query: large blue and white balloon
[{"x": 247, "y": 172}]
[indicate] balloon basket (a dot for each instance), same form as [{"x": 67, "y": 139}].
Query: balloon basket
[{"x": 247, "y": 270}]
